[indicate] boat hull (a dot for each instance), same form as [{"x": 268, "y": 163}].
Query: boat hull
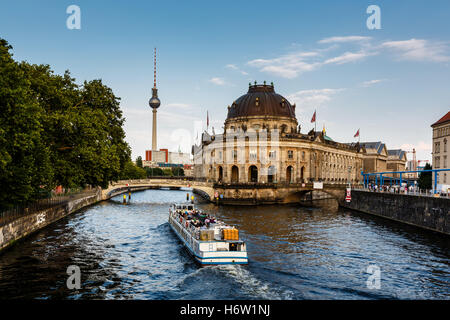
[{"x": 205, "y": 258}]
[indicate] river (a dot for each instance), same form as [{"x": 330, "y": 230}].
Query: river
[{"x": 295, "y": 252}]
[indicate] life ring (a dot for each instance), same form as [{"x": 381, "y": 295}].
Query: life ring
[
  {"x": 181, "y": 220},
  {"x": 187, "y": 224}
]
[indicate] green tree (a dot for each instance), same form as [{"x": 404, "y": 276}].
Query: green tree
[
  {"x": 83, "y": 128},
  {"x": 154, "y": 172},
  {"x": 55, "y": 132},
  {"x": 25, "y": 168},
  {"x": 139, "y": 161},
  {"x": 425, "y": 179},
  {"x": 177, "y": 171},
  {"x": 132, "y": 171}
]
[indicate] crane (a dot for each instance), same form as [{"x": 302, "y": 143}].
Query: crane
[{"x": 414, "y": 161}]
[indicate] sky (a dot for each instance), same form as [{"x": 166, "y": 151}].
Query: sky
[{"x": 391, "y": 83}]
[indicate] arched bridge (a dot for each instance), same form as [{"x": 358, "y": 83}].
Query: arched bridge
[
  {"x": 116, "y": 188},
  {"x": 239, "y": 194},
  {"x": 271, "y": 193}
]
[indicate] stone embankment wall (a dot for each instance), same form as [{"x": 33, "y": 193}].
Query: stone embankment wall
[
  {"x": 421, "y": 211},
  {"x": 23, "y": 226}
]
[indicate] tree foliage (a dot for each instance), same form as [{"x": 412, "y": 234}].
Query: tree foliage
[
  {"x": 55, "y": 132},
  {"x": 177, "y": 171},
  {"x": 154, "y": 172},
  {"x": 132, "y": 171},
  {"x": 425, "y": 179},
  {"x": 139, "y": 161}
]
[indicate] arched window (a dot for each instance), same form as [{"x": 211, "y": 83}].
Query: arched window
[
  {"x": 253, "y": 174},
  {"x": 220, "y": 178},
  {"x": 289, "y": 174},
  {"x": 234, "y": 174}
]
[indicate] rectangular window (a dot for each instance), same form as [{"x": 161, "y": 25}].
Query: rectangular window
[
  {"x": 436, "y": 147},
  {"x": 234, "y": 154},
  {"x": 252, "y": 155},
  {"x": 290, "y": 154},
  {"x": 272, "y": 155}
]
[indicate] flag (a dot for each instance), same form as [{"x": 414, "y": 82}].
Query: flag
[
  {"x": 356, "y": 134},
  {"x": 314, "y": 117}
]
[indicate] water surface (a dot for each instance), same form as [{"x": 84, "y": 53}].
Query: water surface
[{"x": 295, "y": 252}]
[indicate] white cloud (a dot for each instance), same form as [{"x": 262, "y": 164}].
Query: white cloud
[
  {"x": 419, "y": 50},
  {"x": 218, "y": 81},
  {"x": 234, "y": 67},
  {"x": 287, "y": 66},
  {"x": 310, "y": 99},
  {"x": 294, "y": 64},
  {"x": 372, "y": 82},
  {"x": 348, "y": 57},
  {"x": 344, "y": 39}
]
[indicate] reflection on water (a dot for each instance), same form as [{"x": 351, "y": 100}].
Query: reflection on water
[{"x": 295, "y": 252}]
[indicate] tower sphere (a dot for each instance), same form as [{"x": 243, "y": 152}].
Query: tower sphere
[{"x": 154, "y": 101}]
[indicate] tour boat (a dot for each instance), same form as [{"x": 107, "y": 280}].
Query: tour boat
[{"x": 211, "y": 244}]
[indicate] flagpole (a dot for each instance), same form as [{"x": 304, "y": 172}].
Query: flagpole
[{"x": 315, "y": 121}]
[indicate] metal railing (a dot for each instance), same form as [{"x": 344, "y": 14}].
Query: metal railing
[
  {"x": 415, "y": 192},
  {"x": 56, "y": 202}
]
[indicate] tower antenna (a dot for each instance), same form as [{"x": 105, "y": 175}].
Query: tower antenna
[
  {"x": 154, "y": 72},
  {"x": 154, "y": 103}
]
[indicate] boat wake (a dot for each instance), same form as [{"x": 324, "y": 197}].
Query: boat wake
[{"x": 253, "y": 286}]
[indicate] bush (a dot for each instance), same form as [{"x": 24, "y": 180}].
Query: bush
[
  {"x": 132, "y": 171},
  {"x": 152, "y": 172}
]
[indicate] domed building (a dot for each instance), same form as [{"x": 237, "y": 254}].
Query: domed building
[
  {"x": 262, "y": 108},
  {"x": 262, "y": 145}
]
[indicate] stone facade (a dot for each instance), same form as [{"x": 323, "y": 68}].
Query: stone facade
[
  {"x": 396, "y": 161},
  {"x": 288, "y": 158},
  {"x": 441, "y": 154},
  {"x": 375, "y": 156},
  {"x": 262, "y": 143}
]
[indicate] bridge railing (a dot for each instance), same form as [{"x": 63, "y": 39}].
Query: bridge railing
[
  {"x": 159, "y": 181},
  {"x": 402, "y": 191},
  {"x": 308, "y": 185}
]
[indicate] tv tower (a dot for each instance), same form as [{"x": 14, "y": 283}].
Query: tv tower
[{"x": 154, "y": 103}]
